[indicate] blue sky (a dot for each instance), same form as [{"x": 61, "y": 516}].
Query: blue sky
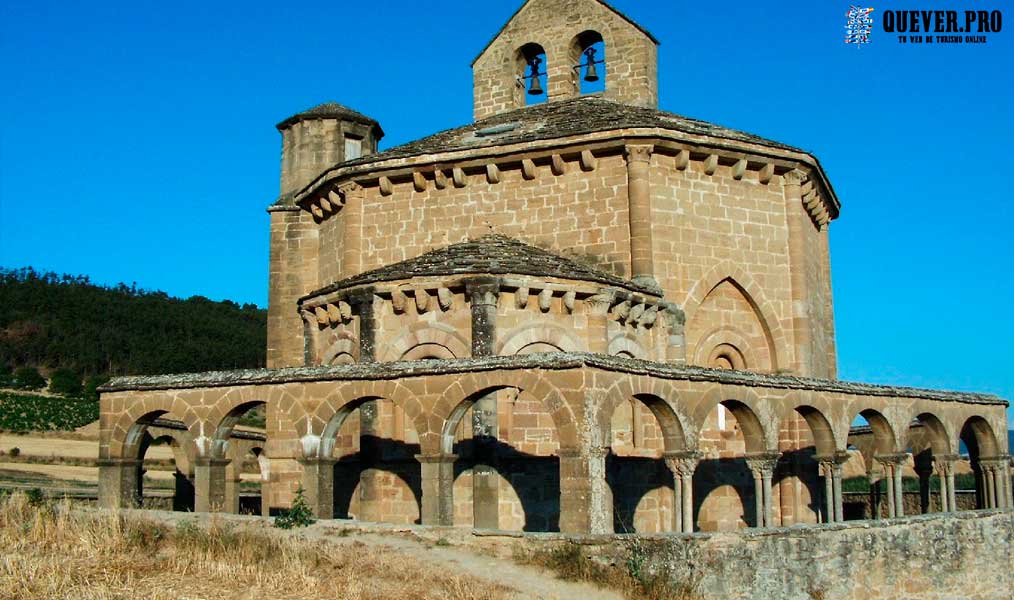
[{"x": 137, "y": 144}]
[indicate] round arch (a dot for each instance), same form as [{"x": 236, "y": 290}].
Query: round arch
[{"x": 538, "y": 333}]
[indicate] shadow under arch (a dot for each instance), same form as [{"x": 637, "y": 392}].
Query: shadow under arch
[
  {"x": 184, "y": 495},
  {"x": 926, "y": 440},
  {"x": 378, "y": 452},
  {"x": 533, "y": 478},
  {"x": 980, "y": 441}
]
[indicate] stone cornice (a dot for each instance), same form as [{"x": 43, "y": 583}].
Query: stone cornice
[
  {"x": 550, "y": 361},
  {"x": 425, "y": 170}
]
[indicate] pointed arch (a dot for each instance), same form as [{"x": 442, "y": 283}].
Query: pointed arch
[{"x": 726, "y": 271}]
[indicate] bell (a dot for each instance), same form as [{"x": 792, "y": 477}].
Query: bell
[
  {"x": 592, "y": 73},
  {"x": 535, "y": 88}
]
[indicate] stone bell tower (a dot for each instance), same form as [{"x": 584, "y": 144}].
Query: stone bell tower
[
  {"x": 558, "y": 33},
  {"x": 312, "y": 142}
]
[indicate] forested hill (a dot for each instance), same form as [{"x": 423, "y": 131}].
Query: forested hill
[{"x": 49, "y": 321}]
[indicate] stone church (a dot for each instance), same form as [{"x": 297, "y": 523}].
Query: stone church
[{"x": 577, "y": 313}]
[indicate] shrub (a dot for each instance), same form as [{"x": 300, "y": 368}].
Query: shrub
[
  {"x": 91, "y": 386},
  {"x": 28, "y": 378},
  {"x": 35, "y": 497},
  {"x": 299, "y": 515},
  {"x": 65, "y": 382},
  {"x": 15, "y": 452}
]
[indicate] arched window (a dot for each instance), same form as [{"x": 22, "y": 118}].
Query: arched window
[
  {"x": 530, "y": 66},
  {"x": 588, "y": 58}
]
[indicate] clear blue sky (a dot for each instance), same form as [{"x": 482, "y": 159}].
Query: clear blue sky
[{"x": 137, "y": 144}]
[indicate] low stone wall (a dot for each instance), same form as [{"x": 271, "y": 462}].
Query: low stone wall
[{"x": 932, "y": 557}]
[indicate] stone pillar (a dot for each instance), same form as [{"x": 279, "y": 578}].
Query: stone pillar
[
  {"x": 311, "y": 331},
  {"x": 839, "y": 504},
  {"x": 119, "y": 484},
  {"x": 209, "y": 484},
  {"x": 683, "y": 465},
  {"x": 369, "y": 454},
  {"x": 232, "y": 486},
  {"x": 799, "y": 220},
  {"x": 827, "y": 469},
  {"x": 585, "y": 501},
  {"x": 831, "y": 466},
  {"x": 675, "y": 347},
  {"x": 639, "y": 201},
  {"x": 483, "y": 294},
  {"x": 763, "y": 467},
  {"x": 437, "y": 488},
  {"x": 598, "y": 321},
  {"x": 352, "y": 232},
  {"x": 318, "y": 485},
  {"x": 363, "y": 305}
]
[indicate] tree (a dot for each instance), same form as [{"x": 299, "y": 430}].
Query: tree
[
  {"x": 28, "y": 378},
  {"x": 65, "y": 382},
  {"x": 91, "y": 386}
]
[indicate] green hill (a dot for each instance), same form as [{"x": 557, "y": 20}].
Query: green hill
[{"x": 51, "y": 321}]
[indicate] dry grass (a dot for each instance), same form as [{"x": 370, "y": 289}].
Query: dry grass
[{"x": 49, "y": 551}]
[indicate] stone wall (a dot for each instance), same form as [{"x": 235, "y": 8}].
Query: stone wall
[{"x": 966, "y": 555}]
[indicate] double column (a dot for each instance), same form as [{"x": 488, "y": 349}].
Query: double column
[
  {"x": 683, "y": 465},
  {"x": 893, "y": 465},
  {"x": 944, "y": 465},
  {"x": 763, "y": 465},
  {"x": 483, "y": 294},
  {"x": 831, "y": 469},
  {"x": 996, "y": 481}
]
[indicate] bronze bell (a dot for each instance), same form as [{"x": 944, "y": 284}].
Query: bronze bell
[
  {"x": 591, "y": 74},
  {"x": 535, "y": 87}
]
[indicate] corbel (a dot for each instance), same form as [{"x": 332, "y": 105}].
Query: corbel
[
  {"x": 739, "y": 169},
  {"x": 545, "y": 300},
  {"x": 419, "y": 181},
  {"x": 682, "y": 160},
  {"x": 588, "y": 161},
  {"x": 521, "y": 297},
  {"x": 766, "y": 173},
  {"x": 439, "y": 179},
  {"x": 386, "y": 187},
  {"x": 398, "y": 301},
  {"x": 711, "y": 164},
  {"x": 528, "y": 168},
  {"x": 334, "y": 316},
  {"x": 345, "y": 310},
  {"x": 492, "y": 173},
  {"x": 322, "y": 316},
  {"x": 317, "y": 211},
  {"x": 559, "y": 167},
  {"x": 422, "y": 300},
  {"x": 568, "y": 300},
  {"x": 458, "y": 175},
  {"x": 445, "y": 298}
]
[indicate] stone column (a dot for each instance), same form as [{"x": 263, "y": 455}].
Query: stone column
[
  {"x": 311, "y": 331},
  {"x": 362, "y": 303},
  {"x": 833, "y": 502},
  {"x": 799, "y": 220},
  {"x": 119, "y": 484},
  {"x": 944, "y": 466},
  {"x": 369, "y": 455},
  {"x": 683, "y": 465},
  {"x": 318, "y": 485},
  {"x": 763, "y": 467},
  {"x": 209, "y": 484},
  {"x": 352, "y": 232},
  {"x": 232, "y": 486},
  {"x": 483, "y": 294},
  {"x": 598, "y": 321},
  {"x": 893, "y": 464},
  {"x": 827, "y": 469},
  {"x": 993, "y": 492},
  {"x": 924, "y": 469},
  {"x": 639, "y": 201},
  {"x": 585, "y": 501},
  {"x": 437, "y": 488},
  {"x": 675, "y": 347}
]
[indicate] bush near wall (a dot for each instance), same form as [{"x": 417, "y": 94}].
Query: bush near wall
[{"x": 22, "y": 412}]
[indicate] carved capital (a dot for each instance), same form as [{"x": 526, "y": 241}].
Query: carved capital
[
  {"x": 483, "y": 292},
  {"x": 638, "y": 152},
  {"x": 793, "y": 177},
  {"x": 350, "y": 189},
  {"x": 892, "y": 460},
  {"x": 682, "y": 464},
  {"x": 600, "y": 303},
  {"x": 763, "y": 464}
]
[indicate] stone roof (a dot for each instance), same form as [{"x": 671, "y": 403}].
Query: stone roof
[
  {"x": 549, "y": 361},
  {"x": 489, "y": 255},
  {"x": 330, "y": 110},
  {"x": 550, "y": 120},
  {"x": 602, "y": 2}
]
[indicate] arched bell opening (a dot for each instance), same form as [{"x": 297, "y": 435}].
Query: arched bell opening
[
  {"x": 531, "y": 69},
  {"x": 588, "y": 63}
]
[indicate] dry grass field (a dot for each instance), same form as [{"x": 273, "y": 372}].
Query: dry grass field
[{"x": 53, "y": 551}]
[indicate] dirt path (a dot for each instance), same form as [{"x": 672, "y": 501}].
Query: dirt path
[{"x": 528, "y": 582}]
